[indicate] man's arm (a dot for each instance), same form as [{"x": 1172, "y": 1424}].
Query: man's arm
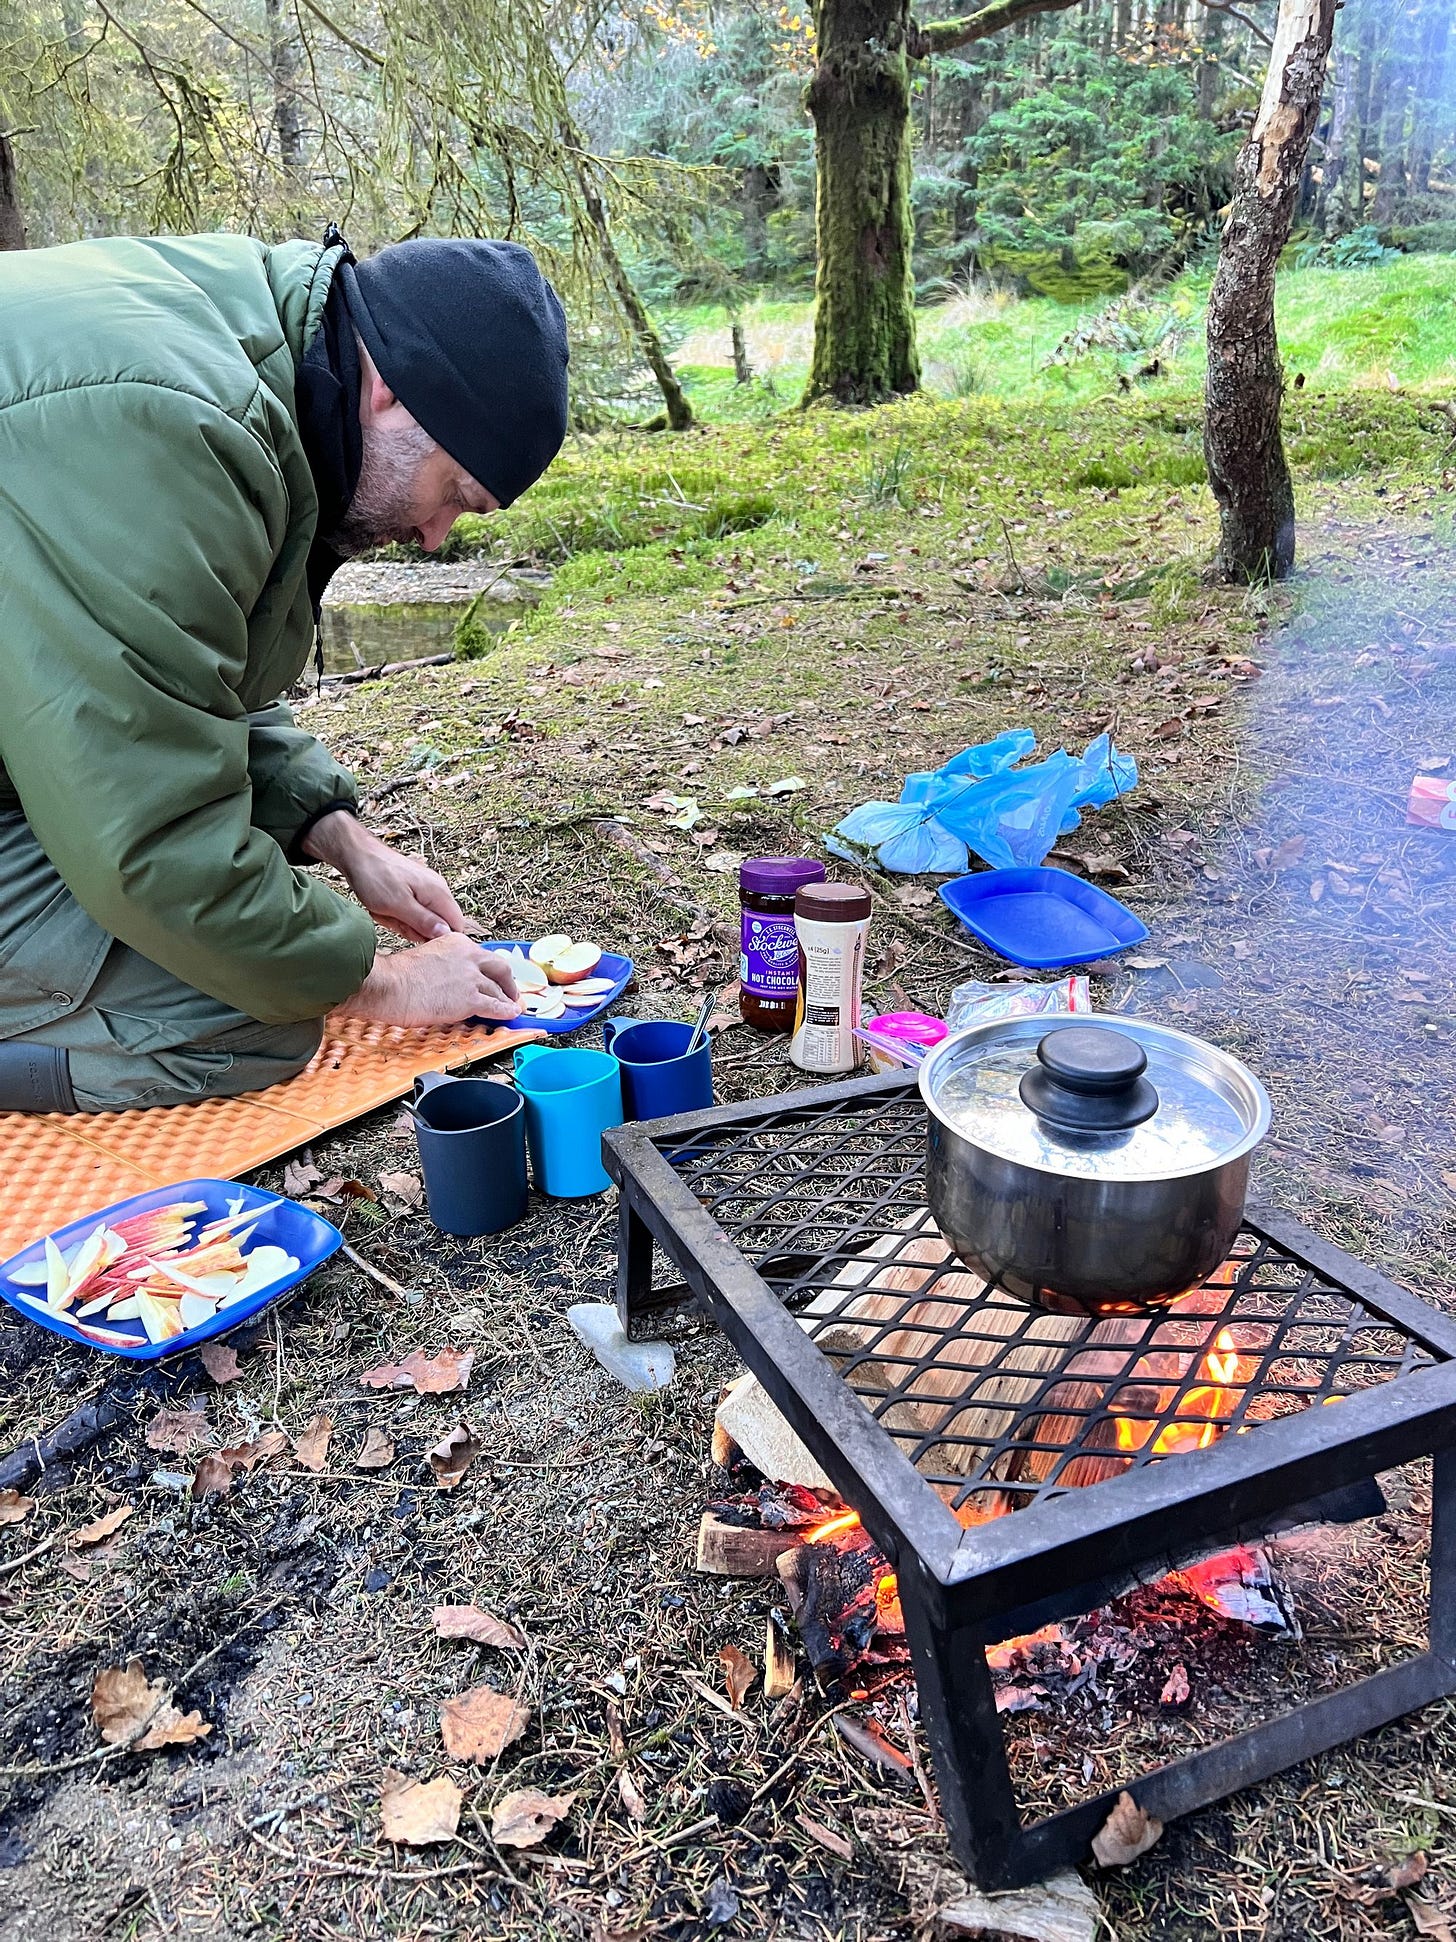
[{"x": 137, "y": 527}]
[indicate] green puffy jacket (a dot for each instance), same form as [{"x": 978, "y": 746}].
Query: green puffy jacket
[{"x": 156, "y": 513}]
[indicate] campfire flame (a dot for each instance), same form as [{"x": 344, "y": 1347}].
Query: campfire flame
[{"x": 1204, "y": 1411}]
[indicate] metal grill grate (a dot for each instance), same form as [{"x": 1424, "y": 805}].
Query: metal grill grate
[{"x": 998, "y": 1404}]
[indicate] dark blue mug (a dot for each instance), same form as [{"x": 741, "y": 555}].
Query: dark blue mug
[
  {"x": 472, "y": 1140},
  {"x": 660, "y": 1076}
]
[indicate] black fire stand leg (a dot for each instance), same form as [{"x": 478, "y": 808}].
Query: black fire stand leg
[
  {"x": 634, "y": 1265},
  {"x": 1441, "y": 1628},
  {"x": 958, "y": 1713}
]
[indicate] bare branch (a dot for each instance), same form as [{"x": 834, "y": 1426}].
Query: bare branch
[{"x": 1244, "y": 20}]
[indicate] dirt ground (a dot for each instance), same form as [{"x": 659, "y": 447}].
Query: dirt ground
[{"x": 1296, "y": 918}]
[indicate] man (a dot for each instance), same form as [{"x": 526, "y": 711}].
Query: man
[{"x": 194, "y": 431}]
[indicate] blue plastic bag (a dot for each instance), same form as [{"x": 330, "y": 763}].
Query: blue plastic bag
[
  {"x": 979, "y": 801},
  {"x": 905, "y": 837}
]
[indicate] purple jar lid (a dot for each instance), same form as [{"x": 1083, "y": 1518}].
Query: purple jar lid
[{"x": 777, "y": 876}]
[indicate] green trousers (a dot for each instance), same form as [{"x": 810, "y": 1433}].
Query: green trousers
[{"x": 134, "y": 1035}]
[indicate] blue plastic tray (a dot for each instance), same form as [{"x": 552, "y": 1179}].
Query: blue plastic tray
[
  {"x": 613, "y": 966},
  {"x": 305, "y": 1234},
  {"x": 1043, "y": 919}
]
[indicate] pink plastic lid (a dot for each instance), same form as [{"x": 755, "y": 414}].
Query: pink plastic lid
[{"x": 915, "y": 1027}]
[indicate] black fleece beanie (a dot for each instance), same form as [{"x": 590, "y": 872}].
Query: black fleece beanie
[{"x": 471, "y": 338}]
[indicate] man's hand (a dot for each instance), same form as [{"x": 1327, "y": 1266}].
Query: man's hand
[
  {"x": 440, "y": 983},
  {"x": 400, "y": 892}
]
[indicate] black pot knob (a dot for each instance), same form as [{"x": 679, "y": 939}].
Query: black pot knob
[{"x": 1089, "y": 1079}]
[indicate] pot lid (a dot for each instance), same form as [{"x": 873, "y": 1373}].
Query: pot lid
[{"x": 1107, "y": 1098}]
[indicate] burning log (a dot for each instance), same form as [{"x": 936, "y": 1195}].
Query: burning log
[{"x": 845, "y": 1601}]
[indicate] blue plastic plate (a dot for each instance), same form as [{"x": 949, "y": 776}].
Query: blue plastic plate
[
  {"x": 1043, "y": 919},
  {"x": 284, "y": 1223},
  {"x": 618, "y": 969}
]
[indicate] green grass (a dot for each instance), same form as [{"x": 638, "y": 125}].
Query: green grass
[{"x": 1343, "y": 329}]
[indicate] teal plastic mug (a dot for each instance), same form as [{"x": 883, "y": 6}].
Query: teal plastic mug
[{"x": 572, "y": 1096}]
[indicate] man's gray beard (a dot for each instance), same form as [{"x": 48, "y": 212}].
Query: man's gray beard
[{"x": 384, "y": 497}]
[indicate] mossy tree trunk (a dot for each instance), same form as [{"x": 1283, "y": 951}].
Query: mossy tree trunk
[
  {"x": 864, "y": 293},
  {"x": 859, "y": 97},
  {"x": 12, "y": 222},
  {"x": 1242, "y": 442}
]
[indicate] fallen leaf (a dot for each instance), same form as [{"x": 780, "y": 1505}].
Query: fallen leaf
[
  {"x": 220, "y": 1362},
  {"x": 404, "y": 1186},
  {"x": 123, "y": 1699},
  {"x": 470, "y": 1622},
  {"x": 178, "y": 1430},
  {"x": 1176, "y": 1691},
  {"x": 739, "y": 1673},
  {"x": 103, "y": 1526},
  {"x": 376, "y": 1452},
  {"x": 479, "y": 1724},
  {"x": 212, "y": 1477},
  {"x": 1406, "y": 1872},
  {"x": 631, "y": 1793},
  {"x": 340, "y": 1188},
  {"x": 1125, "y": 1834},
  {"x": 428, "y": 1375},
  {"x": 453, "y": 1455},
  {"x": 299, "y": 1175},
  {"x": 826, "y": 1837},
  {"x": 1287, "y": 852},
  {"x": 1428, "y": 1919},
  {"x": 417, "y": 1812},
  {"x": 14, "y": 1508},
  {"x": 787, "y": 785},
  {"x": 524, "y": 1819},
  {"x": 311, "y": 1446},
  {"x": 1169, "y": 730}
]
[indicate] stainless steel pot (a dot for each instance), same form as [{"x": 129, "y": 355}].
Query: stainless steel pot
[{"x": 1092, "y": 1167}]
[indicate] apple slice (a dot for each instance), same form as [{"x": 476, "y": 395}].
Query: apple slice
[
  {"x": 159, "y": 1318},
  {"x": 546, "y": 948},
  {"x": 593, "y": 988},
  {"x": 550, "y": 1006},
  {"x": 529, "y": 977},
  {"x": 576, "y": 962},
  {"x": 579, "y": 1000}
]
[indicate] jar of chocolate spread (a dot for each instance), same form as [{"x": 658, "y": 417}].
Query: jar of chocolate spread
[{"x": 768, "y": 966}]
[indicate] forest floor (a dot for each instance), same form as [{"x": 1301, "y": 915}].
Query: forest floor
[{"x": 831, "y": 601}]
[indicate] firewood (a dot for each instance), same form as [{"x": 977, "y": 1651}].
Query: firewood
[
  {"x": 749, "y": 1417},
  {"x": 779, "y": 1670},
  {"x": 740, "y": 1550}
]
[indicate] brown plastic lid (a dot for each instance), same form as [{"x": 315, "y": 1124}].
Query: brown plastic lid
[{"x": 832, "y": 903}]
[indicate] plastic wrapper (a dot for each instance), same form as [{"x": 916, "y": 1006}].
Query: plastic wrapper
[{"x": 979, "y": 1004}]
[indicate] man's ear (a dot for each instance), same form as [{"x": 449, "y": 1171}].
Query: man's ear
[{"x": 376, "y": 394}]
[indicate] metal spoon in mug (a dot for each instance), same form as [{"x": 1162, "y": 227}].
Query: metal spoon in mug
[{"x": 700, "y": 1027}]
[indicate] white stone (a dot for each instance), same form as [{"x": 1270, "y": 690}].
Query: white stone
[{"x": 639, "y": 1366}]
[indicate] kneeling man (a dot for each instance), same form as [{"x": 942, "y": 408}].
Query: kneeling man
[{"x": 194, "y": 432}]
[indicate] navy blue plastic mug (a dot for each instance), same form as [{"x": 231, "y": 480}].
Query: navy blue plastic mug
[
  {"x": 472, "y": 1139},
  {"x": 659, "y": 1076}
]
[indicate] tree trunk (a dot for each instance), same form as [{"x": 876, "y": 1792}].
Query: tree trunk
[
  {"x": 755, "y": 200},
  {"x": 1242, "y": 443},
  {"x": 283, "y": 63},
  {"x": 1330, "y": 215},
  {"x": 742, "y": 369},
  {"x": 1430, "y": 95},
  {"x": 1209, "y": 68},
  {"x": 679, "y": 411},
  {"x": 859, "y": 97},
  {"x": 12, "y": 222}
]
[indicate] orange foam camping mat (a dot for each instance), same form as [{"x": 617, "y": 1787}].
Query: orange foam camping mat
[{"x": 57, "y": 1167}]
